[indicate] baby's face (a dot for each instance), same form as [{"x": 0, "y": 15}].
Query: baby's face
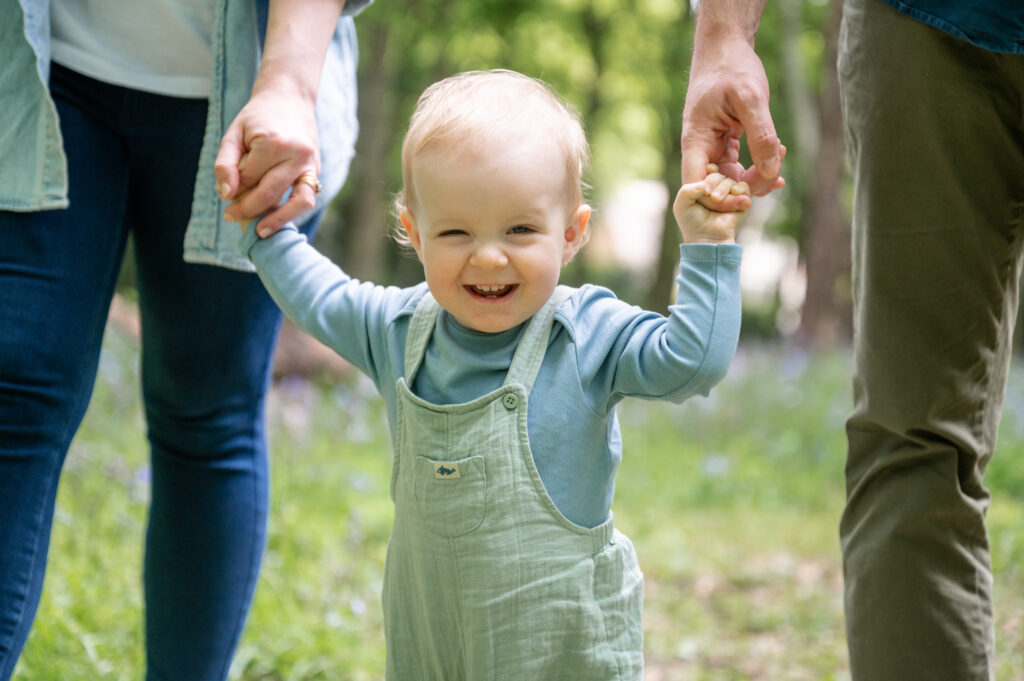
[{"x": 493, "y": 226}]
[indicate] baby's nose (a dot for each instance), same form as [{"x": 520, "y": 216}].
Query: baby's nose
[{"x": 489, "y": 256}]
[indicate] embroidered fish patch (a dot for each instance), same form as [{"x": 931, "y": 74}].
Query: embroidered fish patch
[{"x": 444, "y": 470}]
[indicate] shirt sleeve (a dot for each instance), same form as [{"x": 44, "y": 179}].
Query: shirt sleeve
[
  {"x": 625, "y": 351},
  {"x": 348, "y": 316}
]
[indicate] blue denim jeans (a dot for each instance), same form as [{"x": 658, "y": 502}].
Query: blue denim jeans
[{"x": 208, "y": 335}]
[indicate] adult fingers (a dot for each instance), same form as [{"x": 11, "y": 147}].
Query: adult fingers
[
  {"x": 256, "y": 164},
  {"x": 288, "y": 158},
  {"x": 271, "y": 167},
  {"x": 762, "y": 140},
  {"x": 265, "y": 196},
  {"x": 301, "y": 201},
  {"x": 225, "y": 167},
  {"x": 759, "y": 184}
]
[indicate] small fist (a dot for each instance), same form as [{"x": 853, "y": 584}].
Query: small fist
[{"x": 695, "y": 213}]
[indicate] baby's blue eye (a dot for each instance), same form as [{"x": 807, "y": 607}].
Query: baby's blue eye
[{"x": 520, "y": 229}]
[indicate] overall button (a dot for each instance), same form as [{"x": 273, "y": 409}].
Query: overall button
[{"x": 510, "y": 400}]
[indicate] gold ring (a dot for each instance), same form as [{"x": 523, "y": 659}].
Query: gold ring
[{"x": 311, "y": 180}]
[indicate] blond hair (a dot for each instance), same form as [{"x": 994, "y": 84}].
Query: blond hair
[{"x": 496, "y": 104}]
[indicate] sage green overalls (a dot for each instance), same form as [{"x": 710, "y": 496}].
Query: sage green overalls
[{"x": 485, "y": 579}]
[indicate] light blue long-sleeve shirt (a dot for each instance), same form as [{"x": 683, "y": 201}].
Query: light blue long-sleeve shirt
[
  {"x": 601, "y": 350},
  {"x": 33, "y": 168}
]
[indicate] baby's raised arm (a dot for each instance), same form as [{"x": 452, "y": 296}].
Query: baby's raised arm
[{"x": 701, "y": 225}]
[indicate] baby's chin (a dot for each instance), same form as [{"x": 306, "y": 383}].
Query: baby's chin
[{"x": 496, "y": 323}]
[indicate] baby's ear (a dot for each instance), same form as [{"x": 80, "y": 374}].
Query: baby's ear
[
  {"x": 575, "y": 232},
  {"x": 408, "y": 221}
]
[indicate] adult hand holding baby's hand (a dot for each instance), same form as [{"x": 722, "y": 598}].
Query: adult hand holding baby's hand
[
  {"x": 271, "y": 146},
  {"x": 726, "y": 99},
  {"x": 700, "y": 224}
]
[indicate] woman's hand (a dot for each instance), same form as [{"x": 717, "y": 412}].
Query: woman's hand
[{"x": 272, "y": 145}]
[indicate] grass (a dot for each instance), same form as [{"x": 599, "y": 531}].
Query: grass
[{"x": 732, "y": 502}]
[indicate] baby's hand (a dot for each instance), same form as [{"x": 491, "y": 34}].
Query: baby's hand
[
  {"x": 701, "y": 225},
  {"x": 260, "y": 231}
]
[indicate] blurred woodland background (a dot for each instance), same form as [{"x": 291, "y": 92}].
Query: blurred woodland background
[
  {"x": 624, "y": 65},
  {"x": 733, "y": 501}
]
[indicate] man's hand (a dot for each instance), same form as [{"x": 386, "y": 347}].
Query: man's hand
[{"x": 727, "y": 97}]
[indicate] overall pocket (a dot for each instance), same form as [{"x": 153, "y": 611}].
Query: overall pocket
[{"x": 451, "y": 496}]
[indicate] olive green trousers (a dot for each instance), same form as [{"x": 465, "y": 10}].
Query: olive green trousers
[{"x": 935, "y": 129}]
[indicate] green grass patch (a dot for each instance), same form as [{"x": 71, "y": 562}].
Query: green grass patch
[{"x": 733, "y": 503}]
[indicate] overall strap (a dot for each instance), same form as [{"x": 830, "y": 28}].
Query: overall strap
[
  {"x": 420, "y": 328},
  {"x": 534, "y": 343}
]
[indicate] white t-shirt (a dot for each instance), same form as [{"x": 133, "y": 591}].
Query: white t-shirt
[{"x": 161, "y": 46}]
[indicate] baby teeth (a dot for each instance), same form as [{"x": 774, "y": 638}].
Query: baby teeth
[{"x": 490, "y": 289}]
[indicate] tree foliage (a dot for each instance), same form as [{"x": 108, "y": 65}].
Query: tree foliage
[{"x": 622, "y": 63}]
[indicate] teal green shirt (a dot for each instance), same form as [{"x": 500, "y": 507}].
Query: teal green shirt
[
  {"x": 996, "y": 25},
  {"x": 601, "y": 350}
]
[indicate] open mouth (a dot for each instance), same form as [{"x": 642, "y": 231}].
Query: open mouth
[{"x": 492, "y": 291}]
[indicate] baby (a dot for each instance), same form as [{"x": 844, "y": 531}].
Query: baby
[{"x": 501, "y": 385}]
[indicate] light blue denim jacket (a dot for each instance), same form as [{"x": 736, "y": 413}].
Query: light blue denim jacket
[{"x": 33, "y": 168}]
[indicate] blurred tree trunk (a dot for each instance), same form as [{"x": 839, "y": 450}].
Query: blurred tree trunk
[
  {"x": 595, "y": 29},
  {"x": 827, "y": 311},
  {"x": 364, "y": 241},
  {"x": 796, "y": 89},
  {"x": 678, "y": 52},
  {"x": 659, "y": 295},
  {"x": 389, "y": 80}
]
